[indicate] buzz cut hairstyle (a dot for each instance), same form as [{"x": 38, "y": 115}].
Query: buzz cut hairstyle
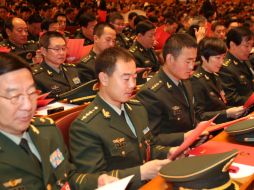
[
  {"x": 176, "y": 43},
  {"x": 99, "y": 28},
  {"x": 106, "y": 61}
]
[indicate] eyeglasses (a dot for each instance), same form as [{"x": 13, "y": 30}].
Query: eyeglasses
[
  {"x": 18, "y": 99},
  {"x": 58, "y": 49}
]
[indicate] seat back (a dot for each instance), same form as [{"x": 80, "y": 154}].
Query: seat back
[{"x": 64, "y": 124}]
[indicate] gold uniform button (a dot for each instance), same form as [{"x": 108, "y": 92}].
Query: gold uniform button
[{"x": 123, "y": 153}]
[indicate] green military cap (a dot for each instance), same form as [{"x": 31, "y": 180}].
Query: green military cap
[
  {"x": 83, "y": 93},
  {"x": 242, "y": 131},
  {"x": 201, "y": 172}
]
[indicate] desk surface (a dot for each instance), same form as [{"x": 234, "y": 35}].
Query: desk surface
[{"x": 158, "y": 183}]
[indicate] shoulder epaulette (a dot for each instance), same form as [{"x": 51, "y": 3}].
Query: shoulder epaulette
[
  {"x": 31, "y": 42},
  {"x": 42, "y": 122},
  {"x": 156, "y": 86},
  {"x": 133, "y": 48},
  {"x": 37, "y": 69},
  {"x": 198, "y": 75},
  {"x": 69, "y": 65},
  {"x": 227, "y": 62},
  {"x": 86, "y": 58},
  {"x": 134, "y": 101},
  {"x": 89, "y": 113}
]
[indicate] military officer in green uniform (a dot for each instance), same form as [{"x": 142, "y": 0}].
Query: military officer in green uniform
[
  {"x": 209, "y": 96},
  {"x": 104, "y": 37},
  {"x": 117, "y": 20},
  {"x": 87, "y": 23},
  {"x": 53, "y": 75},
  {"x": 129, "y": 30},
  {"x": 168, "y": 96},
  {"x": 237, "y": 74},
  {"x": 15, "y": 34},
  {"x": 33, "y": 154},
  {"x": 109, "y": 135},
  {"x": 142, "y": 48}
]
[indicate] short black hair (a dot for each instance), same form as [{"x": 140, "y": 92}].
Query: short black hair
[
  {"x": 99, "y": 28},
  {"x": 45, "y": 38},
  {"x": 25, "y": 9},
  {"x": 59, "y": 14},
  {"x": 10, "y": 62},
  {"x": 176, "y": 43},
  {"x": 217, "y": 23},
  {"x": 139, "y": 18},
  {"x": 115, "y": 16},
  {"x": 34, "y": 18},
  {"x": 131, "y": 15},
  {"x": 106, "y": 61},
  {"x": 86, "y": 18},
  {"x": 238, "y": 34},
  {"x": 144, "y": 26},
  {"x": 46, "y": 23},
  {"x": 211, "y": 46}
]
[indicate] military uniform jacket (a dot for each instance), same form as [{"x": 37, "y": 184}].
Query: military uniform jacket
[
  {"x": 209, "y": 96},
  {"x": 100, "y": 140},
  {"x": 86, "y": 68},
  {"x": 26, "y": 51},
  {"x": 170, "y": 115},
  {"x": 18, "y": 172},
  {"x": 87, "y": 41},
  {"x": 237, "y": 80},
  {"x": 123, "y": 41},
  {"x": 48, "y": 80},
  {"x": 144, "y": 57},
  {"x": 129, "y": 33}
]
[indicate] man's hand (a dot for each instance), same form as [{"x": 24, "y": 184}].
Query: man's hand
[
  {"x": 150, "y": 169},
  {"x": 235, "y": 112},
  {"x": 105, "y": 179}
]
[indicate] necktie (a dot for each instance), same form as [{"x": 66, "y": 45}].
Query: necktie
[
  {"x": 130, "y": 126},
  {"x": 181, "y": 88},
  {"x": 24, "y": 145}
]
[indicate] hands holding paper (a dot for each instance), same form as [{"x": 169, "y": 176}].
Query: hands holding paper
[
  {"x": 235, "y": 112},
  {"x": 105, "y": 179}
]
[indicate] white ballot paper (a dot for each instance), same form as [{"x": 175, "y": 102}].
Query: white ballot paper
[{"x": 119, "y": 185}]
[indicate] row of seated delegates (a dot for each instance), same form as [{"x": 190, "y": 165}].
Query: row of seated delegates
[
  {"x": 53, "y": 75},
  {"x": 104, "y": 37},
  {"x": 15, "y": 33},
  {"x": 33, "y": 153},
  {"x": 109, "y": 135},
  {"x": 87, "y": 23},
  {"x": 208, "y": 92},
  {"x": 168, "y": 95},
  {"x": 237, "y": 73}
]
